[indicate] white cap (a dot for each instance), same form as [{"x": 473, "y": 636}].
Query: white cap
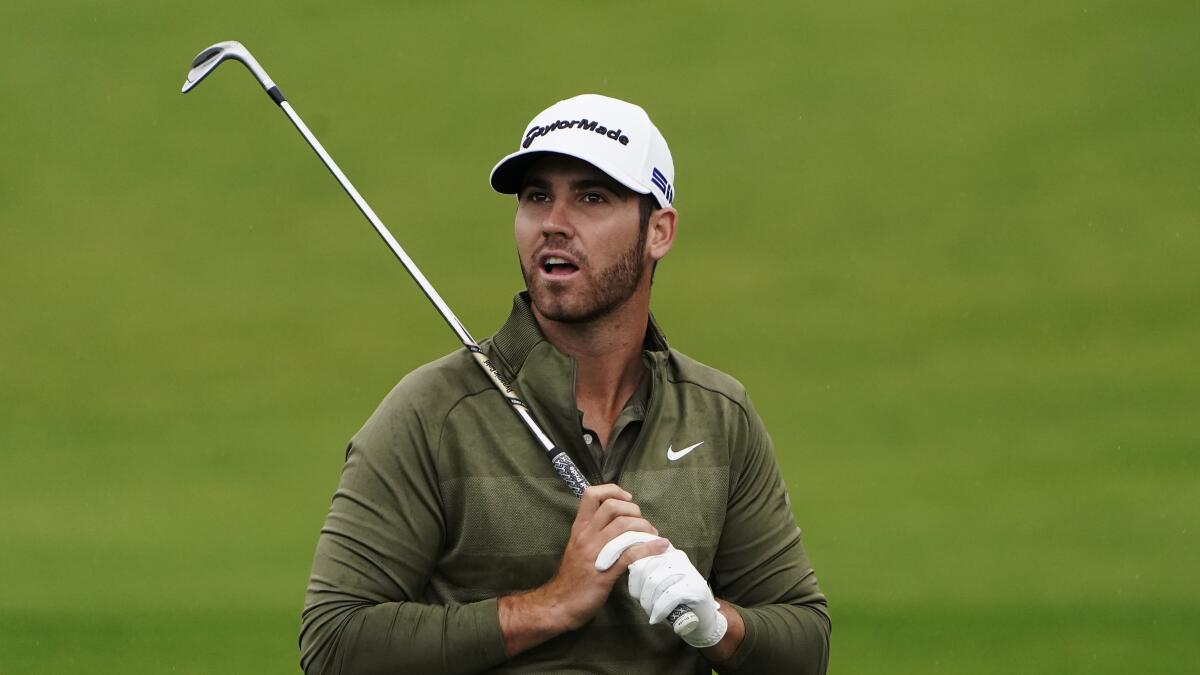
[{"x": 614, "y": 136}]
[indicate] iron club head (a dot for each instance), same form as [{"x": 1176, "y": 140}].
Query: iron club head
[{"x": 208, "y": 59}]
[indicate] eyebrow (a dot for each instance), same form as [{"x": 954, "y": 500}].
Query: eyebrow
[{"x": 580, "y": 185}]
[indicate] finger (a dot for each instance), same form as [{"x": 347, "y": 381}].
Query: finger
[
  {"x": 640, "y": 561},
  {"x": 610, "y": 509},
  {"x": 654, "y": 589},
  {"x": 638, "y": 571},
  {"x": 668, "y": 601},
  {"x": 667, "y": 573},
  {"x": 618, "y": 545},
  {"x": 596, "y": 495},
  {"x": 640, "y": 552},
  {"x": 668, "y": 568},
  {"x": 626, "y": 524},
  {"x": 651, "y": 548}
]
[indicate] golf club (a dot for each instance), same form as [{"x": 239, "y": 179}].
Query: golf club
[{"x": 682, "y": 618}]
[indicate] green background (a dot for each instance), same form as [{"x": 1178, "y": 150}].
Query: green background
[{"x": 951, "y": 248}]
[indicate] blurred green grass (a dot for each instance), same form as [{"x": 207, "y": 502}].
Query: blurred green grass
[{"x": 950, "y": 249}]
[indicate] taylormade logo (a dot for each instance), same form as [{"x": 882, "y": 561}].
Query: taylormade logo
[{"x": 582, "y": 125}]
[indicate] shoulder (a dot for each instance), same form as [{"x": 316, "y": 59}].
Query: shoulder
[
  {"x": 716, "y": 405},
  {"x": 704, "y": 380},
  {"x": 426, "y": 395},
  {"x": 443, "y": 380}
]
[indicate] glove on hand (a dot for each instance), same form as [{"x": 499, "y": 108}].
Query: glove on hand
[
  {"x": 660, "y": 582},
  {"x": 617, "y": 545}
]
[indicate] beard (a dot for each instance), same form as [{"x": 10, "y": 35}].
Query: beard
[{"x": 596, "y": 294}]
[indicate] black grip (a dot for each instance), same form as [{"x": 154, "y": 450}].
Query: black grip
[
  {"x": 276, "y": 95},
  {"x": 679, "y": 611},
  {"x": 569, "y": 473}
]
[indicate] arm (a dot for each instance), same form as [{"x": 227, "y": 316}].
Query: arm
[
  {"x": 762, "y": 574},
  {"x": 380, "y": 544},
  {"x": 578, "y": 590},
  {"x": 375, "y": 554}
]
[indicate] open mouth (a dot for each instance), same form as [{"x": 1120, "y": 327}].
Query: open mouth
[{"x": 558, "y": 267}]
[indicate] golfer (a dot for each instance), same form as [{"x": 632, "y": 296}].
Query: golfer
[{"x": 451, "y": 546}]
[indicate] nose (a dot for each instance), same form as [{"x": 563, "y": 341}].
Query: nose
[{"x": 558, "y": 220}]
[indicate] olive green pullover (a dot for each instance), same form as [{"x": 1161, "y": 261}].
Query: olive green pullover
[{"x": 445, "y": 503}]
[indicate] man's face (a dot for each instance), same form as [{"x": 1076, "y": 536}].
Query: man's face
[{"x": 582, "y": 249}]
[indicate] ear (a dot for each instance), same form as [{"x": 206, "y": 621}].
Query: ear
[{"x": 660, "y": 234}]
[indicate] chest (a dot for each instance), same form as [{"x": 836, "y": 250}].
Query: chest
[{"x": 507, "y": 516}]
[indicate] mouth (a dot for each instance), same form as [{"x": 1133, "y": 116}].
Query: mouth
[{"x": 556, "y": 267}]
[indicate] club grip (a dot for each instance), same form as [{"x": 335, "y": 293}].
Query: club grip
[
  {"x": 569, "y": 473},
  {"x": 682, "y": 619}
]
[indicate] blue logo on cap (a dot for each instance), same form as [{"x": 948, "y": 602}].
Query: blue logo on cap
[{"x": 660, "y": 182}]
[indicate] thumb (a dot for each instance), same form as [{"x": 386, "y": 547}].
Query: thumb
[{"x": 617, "y": 545}]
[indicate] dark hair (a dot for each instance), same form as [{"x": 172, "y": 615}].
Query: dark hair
[{"x": 647, "y": 205}]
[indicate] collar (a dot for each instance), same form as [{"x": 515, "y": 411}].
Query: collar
[
  {"x": 520, "y": 335},
  {"x": 545, "y": 377}
]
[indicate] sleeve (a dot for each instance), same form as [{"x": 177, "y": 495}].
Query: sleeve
[
  {"x": 762, "y": 570},
  {"x": 381, "y": 539}
]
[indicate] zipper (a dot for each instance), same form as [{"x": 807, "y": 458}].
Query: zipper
[
  {"x": 593, "y": 471},
  {"x": 653, "y": 371}
]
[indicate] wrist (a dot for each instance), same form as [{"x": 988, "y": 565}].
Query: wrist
[
  {"x": 735, "y": 630},
  {"x": 529, "y": 619},
  {"x": 559, "y": 607},
  {"x": 709, "y": 632}
]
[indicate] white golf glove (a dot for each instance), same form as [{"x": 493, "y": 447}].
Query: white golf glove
[
  {"x": 662, "y": 582},
  {"x": 617, "y": 545}
]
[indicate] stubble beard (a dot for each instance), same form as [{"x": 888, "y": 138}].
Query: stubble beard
[{"x": 602, "y": 291}]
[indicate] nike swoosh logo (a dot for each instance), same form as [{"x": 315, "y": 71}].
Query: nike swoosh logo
[{"x": 672, "y": 455}]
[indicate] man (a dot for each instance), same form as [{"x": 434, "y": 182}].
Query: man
[{"x": 452, "y": 546}]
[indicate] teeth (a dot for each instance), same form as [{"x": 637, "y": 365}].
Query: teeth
[{"x": 555, "y": 261}]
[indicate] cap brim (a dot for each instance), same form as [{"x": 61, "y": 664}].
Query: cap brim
[{"x": 509, "y": 173}]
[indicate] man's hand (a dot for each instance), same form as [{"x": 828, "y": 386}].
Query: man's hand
[
  {"x": 662, "y": 582},
  {"x": 577, "y": 591}
]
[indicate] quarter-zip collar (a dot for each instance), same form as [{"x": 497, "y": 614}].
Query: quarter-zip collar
[
  {"x": 520, "y": 335},
  {"x": 545, "y": 377}
]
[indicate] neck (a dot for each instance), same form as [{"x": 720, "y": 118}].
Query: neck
[{"x": 608, "y": 357}]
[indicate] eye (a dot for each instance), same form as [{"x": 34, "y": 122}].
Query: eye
[
  {"x": 535, "y": 195},
  {"x": 593, "y": 198}
]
